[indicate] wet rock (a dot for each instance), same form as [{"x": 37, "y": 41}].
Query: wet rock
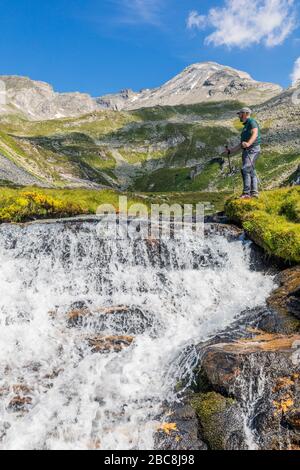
[
  {"x": 224, "y": 363},
  {"x": 94, "y": 444},
  {"x": 289, "y": 281},
  {"x": 293, "y": 302},
  {"x": 285, "y": 301},
  {"x": 293, "y": 418},
  {"x": 220, "y": 421},
  {"x": 117, "y": 319},
  {"x": 260, "y": 261},
  {"x": 22, "y": 398},
  {"x": 231, "y": 232},
  {"x": 104, "y": 344},
  {"x": 186, "y": 436},
  {"x": 4, "y": 427},
  {"x": 255, "y": 381},
  {"x": 19, "y": 403},
  {"x": 77, "y": 313},
  {"x": 53, "y": 374},
  {"x": 123, "y": 320},
  {"x": 24, "y": 389},
  {"x": 4, "y": 391},
  {"x": 275, "y": 322}
]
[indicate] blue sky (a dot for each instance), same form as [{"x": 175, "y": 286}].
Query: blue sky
[{"x": 101, "y": 46}]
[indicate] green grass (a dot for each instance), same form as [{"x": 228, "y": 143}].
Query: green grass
[
  {"x": 271, "y": 165},
  {"x": 209, "y": 110},
  {"x": 94, "y": 124},
  {"x": 178, "y": 179},
  {"x": 214, "y": 201},
  {"x": 272, "y": 221},
  {"x": 25, "y": 204},
  {"x": 21, "y": 205},
  {"x": 164, "y": 180},
  {"x": 169, "y": 138},
  {"x": 50, "y": 149}
]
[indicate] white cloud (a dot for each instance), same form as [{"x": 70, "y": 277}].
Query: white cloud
[
  {"x": 296, "y": 72},
  {"x": 140, "y": 11},
  {"x": 242, "y": 24},
  {"x": 196, "y": 21}
]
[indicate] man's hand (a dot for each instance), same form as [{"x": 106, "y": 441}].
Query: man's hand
[
  {"x": 227, "y": 151},
  {"x": 232, "y": 150},
  {"x": 254, "y": 135},
  {"x": 246, "y": 145}
]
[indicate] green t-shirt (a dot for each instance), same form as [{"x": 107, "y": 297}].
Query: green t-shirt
[{"x": 247, "y": 131}]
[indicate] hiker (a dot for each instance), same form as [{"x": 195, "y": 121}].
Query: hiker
[{"x": 250, "y": 144}]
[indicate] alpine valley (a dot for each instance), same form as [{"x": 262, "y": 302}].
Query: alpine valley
[{"x": 146, "y": 141}]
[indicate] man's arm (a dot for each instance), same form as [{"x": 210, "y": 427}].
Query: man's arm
[
  {"x": 254, "y": 135},
  {"x": 233, "y": 150}
]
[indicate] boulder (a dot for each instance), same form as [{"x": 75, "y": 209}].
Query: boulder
[
  {"x": 104, "y": 344},
  {"x": 289, "y": 288},
  {"x": 255, "y": 381},
  {"x": 185, "y": 434},
  {"x": 119, "y": 319},
  {"x": 221, "y": 425},
  {"x": 284, "y": 303}
]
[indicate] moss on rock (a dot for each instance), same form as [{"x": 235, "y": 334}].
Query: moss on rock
[
  {"x": 272, "y": 221},
  {"x": 217, "y": 415}
]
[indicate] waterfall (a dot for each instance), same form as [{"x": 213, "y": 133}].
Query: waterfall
[{"x": 165, "y": 296}]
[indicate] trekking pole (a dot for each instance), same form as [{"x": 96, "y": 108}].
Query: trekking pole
[
  {"x": 230, "y": 167},
  {"x": 229, "y": 159}
]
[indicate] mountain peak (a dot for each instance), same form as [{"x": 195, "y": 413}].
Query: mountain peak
[
  {"x": 214, "y": 67},
  {"x": 197, "y": 83}
]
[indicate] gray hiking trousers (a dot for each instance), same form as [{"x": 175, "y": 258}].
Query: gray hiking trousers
[{"x": 250, "y": 179}]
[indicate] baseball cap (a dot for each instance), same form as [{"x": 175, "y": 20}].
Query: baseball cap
[{"x": 245, "y": 110}]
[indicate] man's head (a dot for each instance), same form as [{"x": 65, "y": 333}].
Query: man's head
[{"x": 244, "y": 114}]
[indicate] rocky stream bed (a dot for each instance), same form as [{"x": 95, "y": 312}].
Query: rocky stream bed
[{"x": 111, "y": 344}]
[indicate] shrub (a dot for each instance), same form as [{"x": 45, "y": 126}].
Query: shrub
[{"x": 31, "y": 205}]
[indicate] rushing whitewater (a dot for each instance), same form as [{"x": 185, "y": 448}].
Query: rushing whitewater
[{"x": 185, "y": 291}]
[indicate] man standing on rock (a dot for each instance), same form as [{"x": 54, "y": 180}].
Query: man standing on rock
[{"x": 250, "y": 144}]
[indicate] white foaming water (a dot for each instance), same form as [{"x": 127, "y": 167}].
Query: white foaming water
[{"x": 187, "y": 291}]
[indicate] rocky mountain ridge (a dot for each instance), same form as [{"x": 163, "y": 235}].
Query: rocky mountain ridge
[
  {"x": 38, "y": 101},
  {"x": 203, "y": 82},
  {"x": 207, "y": 81}
]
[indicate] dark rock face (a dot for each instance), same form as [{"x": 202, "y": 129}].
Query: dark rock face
[
  {"x": 293, "y": 302},
  {"x": 185, "y": 434},
  {"x": 218, "y": 412},
  {"x": 255, "y": 382},
  {"x": 285, "y": 301}
]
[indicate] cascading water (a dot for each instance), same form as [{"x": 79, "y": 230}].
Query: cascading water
[{"x": 175, "y": 294}]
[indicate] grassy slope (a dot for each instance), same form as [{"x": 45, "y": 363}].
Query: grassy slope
[
  {"x": 272, "y": 221},
  {"x": 80, "y": 147},
  {"x": 52, "y": 149},
  {"x": 24, "y": 204},
  {"x": 164, "y": 141}
]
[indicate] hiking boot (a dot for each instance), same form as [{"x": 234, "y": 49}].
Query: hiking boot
[{"x": 245, "y": 196}]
